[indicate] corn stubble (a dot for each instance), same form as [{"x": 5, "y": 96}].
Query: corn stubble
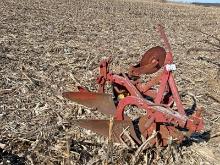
[{"x": 46, "y": 47}]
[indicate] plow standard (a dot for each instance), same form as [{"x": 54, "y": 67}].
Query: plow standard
[{"x": 159, "y": 97}]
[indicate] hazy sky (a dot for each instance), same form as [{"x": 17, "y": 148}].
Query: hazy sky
[{"x": 202, "y": 1}]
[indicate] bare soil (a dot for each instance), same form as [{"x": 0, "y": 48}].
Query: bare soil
[{"x": 48, "y": 47}]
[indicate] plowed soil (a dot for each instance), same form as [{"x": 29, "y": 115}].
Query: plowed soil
[{"x": 48, "y": 47}]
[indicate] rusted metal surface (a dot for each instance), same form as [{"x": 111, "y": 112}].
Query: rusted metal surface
[
  {"x": 97, "y": 101},
  {"x": 154, "y": 54},
  {"x": 156, "y": 97},
  {"x": 102, "y": 127},
  {"x": 151, "y": 62}
]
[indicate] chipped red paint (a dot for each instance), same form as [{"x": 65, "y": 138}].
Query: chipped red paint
[{"x": 157, "y": 97}]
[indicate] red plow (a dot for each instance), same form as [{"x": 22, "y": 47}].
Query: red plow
[{"x": 158, "y": 97}]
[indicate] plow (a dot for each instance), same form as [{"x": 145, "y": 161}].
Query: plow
[{"x": 164, "y": 113}]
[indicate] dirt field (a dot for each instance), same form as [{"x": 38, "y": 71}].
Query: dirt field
[{"x": 49, "y": 47}]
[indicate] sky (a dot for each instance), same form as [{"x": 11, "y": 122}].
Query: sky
[{"x": 201, "y": 1}]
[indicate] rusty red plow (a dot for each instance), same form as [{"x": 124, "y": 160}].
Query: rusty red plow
[{"x": 158, "y": 97}]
